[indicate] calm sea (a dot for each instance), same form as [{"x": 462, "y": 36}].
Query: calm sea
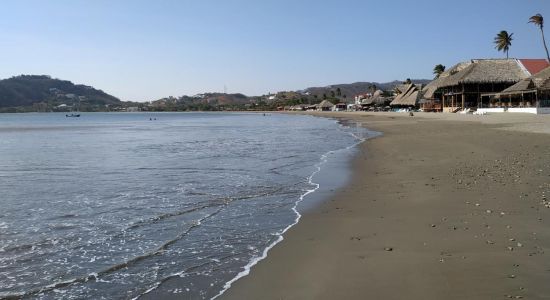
[{"x": 121, "y": 205}]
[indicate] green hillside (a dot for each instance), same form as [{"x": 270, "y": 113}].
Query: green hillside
[{"x": 43, "y": 93}]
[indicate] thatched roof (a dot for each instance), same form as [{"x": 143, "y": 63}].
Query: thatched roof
[
  {"x": 488, "y": 71},
  {"x": 525, "y": 84},
  {"x": 383, "y": 100},
  {"x": 429, "y": 90},
  {"x": 408, "y": 98},
  {"x": 375, "y": 98},
  {"x": 541, "y": 80},
  {"x": 545, "y": 85},
  {"x": 367, "y": 101},
  {"x": 479, "y": 71},
  {"x": 325, "y": 104},
  {"x": 402, "y": 87}
]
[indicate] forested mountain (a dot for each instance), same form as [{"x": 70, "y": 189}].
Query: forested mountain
[
  {"x": 43, "y": 93},
  {"x": 352, "y": 89}
]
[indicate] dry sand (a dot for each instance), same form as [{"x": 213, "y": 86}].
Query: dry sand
[{"x": 441, "y": 206}]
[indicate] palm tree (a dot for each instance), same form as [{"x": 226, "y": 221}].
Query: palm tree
[
  {"x": 538, "y": 20},
  {"x": 371, "y": 88},
  {"x": 438, "y": 69},
  {"x": 503, "y": 41}
]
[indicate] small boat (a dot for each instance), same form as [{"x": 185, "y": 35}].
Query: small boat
[{"x": 73, "y": 116}]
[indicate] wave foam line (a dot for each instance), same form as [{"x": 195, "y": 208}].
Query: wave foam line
[
  {"x": 95, "y": 276},
  {"x": 256, "y": 260}
]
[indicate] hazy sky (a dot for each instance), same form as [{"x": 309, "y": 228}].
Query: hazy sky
[{"x": 145, "y": 50}]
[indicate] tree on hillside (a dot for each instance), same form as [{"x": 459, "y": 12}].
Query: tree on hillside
[
  {"x": 332, "y": 95},
  {"x": 503, "y": 41},
  {"x": 372, "y": 88},
  {"x": 438, "y": 69},
  {"x": 538, "y": 20},
  {"x": 338, "y": 92},
  {"x": 408, "y": 81}
]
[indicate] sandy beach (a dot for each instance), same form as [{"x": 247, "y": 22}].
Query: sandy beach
[{"x": 442, "y": 206}]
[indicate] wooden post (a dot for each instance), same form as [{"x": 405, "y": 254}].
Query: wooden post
[
  {"x": 463, "y": 96},
  {"x": 453, "y": 102},
  {"x": 522, "y": 100},
  {"x": 479, "y": 96}
]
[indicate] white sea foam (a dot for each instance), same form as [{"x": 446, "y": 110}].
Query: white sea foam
[
  {"x": 280, "y": 238},
  {"x": 134, "y": 227}
]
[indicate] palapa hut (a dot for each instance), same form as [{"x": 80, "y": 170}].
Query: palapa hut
[
  {"x": 461, "y": 86},
  {"x": 531, "y": 95},
  {"x": 340, "y": 107},
  {"x": 299, "y": 107},
  {"x": 372, "y": 100},
  {"x": 408, "y": 98},
  {"x": 401, "y": 88},
  {"x": 367, "y": 102},
  {"x": 432, "y": 93},
  {"x": 311, "y": 107},
  {"x": 325, "y": 105}
]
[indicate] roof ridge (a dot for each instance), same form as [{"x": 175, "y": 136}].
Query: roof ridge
[{"x": 523, "y": 68}]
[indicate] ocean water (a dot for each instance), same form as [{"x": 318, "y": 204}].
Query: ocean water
[{"x": 118, "y": 205}]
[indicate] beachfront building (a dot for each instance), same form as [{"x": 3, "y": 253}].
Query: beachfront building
[
  {"x": 366, "y": 103},
  {"x": 531, "y": 95},
  {"x": 377, "y": 98},
  {"x": 340, "y": 107},
  {"x": 311, "y": 107},
  {"x": 359, "y": 98},
  {"x": 325, "y": 105},
  {"x": 408, "y": 97},
  {"x": 461, "y": 87},
  {"x": 299, "y": 107}
]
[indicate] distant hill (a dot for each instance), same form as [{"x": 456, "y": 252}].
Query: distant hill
[
  {"x": 42, "y": 92},
  {"x": 26, "y": 93},
  {"x": 206, "y": 101},
  {"x": 357, "y": 88},
  {"x": 221, "y": 101}
]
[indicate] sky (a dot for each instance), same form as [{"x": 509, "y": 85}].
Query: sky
[{"x": 146, "y": 50}]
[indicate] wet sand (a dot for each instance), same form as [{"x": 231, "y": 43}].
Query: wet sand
[{"x": 442, "y": 206}]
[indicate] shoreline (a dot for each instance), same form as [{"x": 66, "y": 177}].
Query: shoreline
[
  {"x": 316, "y": 186},
  {"x": 315, "y": 198},
  {"x": 435, "y": 209},
  {"x": 322, "y": 188}
]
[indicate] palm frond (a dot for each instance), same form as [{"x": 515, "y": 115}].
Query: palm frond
[{"x": 537, "y": 20}]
